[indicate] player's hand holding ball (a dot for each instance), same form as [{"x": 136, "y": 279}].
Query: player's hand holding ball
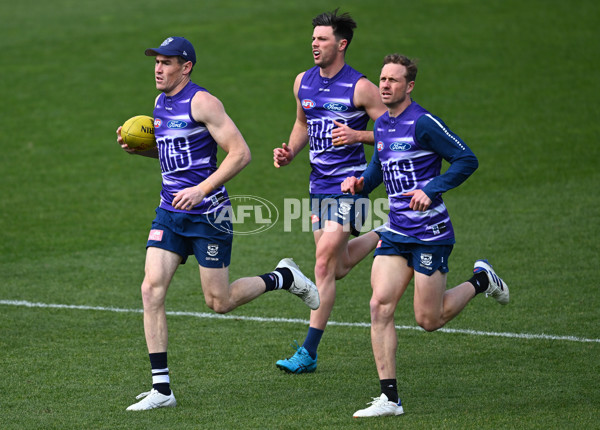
[{"x": 137, "y": 134}]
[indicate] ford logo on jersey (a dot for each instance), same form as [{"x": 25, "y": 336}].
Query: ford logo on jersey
[
  {"x": 308, "y": 104},
  {"x": 174, "y": 123},
  {"x": 335, "y": 107},
  {"x": 400, "y": 146}
]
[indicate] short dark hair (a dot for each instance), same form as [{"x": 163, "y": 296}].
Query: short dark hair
[
  {"x": 343, "y": 25},
  {"x": 411, "y": 65}
]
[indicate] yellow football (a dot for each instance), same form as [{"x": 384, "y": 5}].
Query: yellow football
[{"x": 138, "y": 132}]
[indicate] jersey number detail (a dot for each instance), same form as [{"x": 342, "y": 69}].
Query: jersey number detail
[
  {"x": 319, "y": 131},
  {"x": 174, "y": 154},
  {"x": 399, "y": 177}
]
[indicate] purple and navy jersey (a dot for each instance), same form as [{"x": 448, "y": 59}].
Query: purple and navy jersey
[
  {"x": 323, "y": 101},
  {"x": 408, "y": 156},
  {"x": 186, "y": 150}
]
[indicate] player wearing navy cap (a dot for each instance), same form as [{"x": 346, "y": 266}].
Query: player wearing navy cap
[
  {"x": 193, "y": 216},
  {"x": 410, "y": 144},
  {"x": 175, "y": 47}
]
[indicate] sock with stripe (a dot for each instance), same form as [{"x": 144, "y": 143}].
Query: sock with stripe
[
  {"x": 160, "y": 373},
  {"x": 280, "y": 278}
]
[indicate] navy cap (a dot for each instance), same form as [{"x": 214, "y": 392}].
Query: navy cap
[{"x": 174, "y": 46}]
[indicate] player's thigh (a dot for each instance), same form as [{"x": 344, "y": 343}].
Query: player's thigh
[
  {"x": 160, "y": 266},
  {"x": 215, "y": 282},
  {"x": 390, "y": 275},
  {"x": 332, "y": 240},
  {"x": 429, "y": 292}
]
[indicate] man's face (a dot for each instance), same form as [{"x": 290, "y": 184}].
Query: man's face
[
  {"x": 393, "y": 87},
  {"x": 168, "y": 73},
  {"x": 325, "y": 47}
]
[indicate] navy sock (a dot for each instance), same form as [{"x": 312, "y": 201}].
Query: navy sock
[
  {"x": 280, "y": 278},
  {"x": 311, "y": 343},
  {"x": 389, "y": 387},
  {"x": 480, "y": 281},
  {"x": 160, "y": 373}
]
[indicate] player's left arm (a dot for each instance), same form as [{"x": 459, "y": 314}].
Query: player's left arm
[
  {"x": 209, "y": 110},
  {"x": 366, "y": 96},
  {"x": 433, "y": 134}
]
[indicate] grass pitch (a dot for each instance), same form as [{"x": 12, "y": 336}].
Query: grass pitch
[{"x": 516, "y": 80}]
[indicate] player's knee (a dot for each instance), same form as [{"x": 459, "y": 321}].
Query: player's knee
[
  {"x": 341, "y": 270},
  {"x": 152, "y": 294},
  {"x": 325, "y": 266},
  {"x": 219, "y": 306},
  {"x": 381, "y": 311},
  {"x": 321, "y": 269},
  {"x": 428, "y": 322}
]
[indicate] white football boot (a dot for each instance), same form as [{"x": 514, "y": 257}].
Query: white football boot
[
  {"x": 302, "y": 287},
  {"x": 497, "y": 288},
  {"x": 152, "y": 400},
  {"x": 380, "y": 407}
]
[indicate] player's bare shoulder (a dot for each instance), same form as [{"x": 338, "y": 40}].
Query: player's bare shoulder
[
  {"x": 365, "y": 92},
  {"x": 205, "y": 107},
  {"x": 366, "y": 96},
  {"x": 297, "y": 83}
]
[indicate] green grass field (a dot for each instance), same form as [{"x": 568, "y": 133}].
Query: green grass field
[{"x": 517, "y": 80}]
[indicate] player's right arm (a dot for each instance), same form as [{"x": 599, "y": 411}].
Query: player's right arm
[
  {"x": 299, "y": 135},
  {"x": 152, "y": 152}
]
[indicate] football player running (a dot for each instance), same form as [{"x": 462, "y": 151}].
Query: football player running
[{"x": 410, "y": 145}]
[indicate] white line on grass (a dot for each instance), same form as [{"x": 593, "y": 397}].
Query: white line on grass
[{"x": 294, "y": 321}]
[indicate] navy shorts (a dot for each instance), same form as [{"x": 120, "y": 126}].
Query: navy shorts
[
  {"x": 426, "y": 259},
  {"x": 207, "y": 236},
  {"x": 345, "y": 209}
]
